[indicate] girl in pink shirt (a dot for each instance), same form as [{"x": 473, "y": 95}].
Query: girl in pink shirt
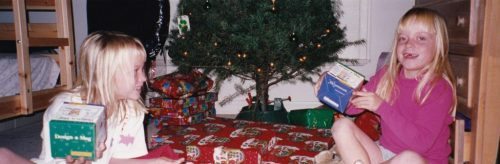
[{"x": 414, "y": 95}]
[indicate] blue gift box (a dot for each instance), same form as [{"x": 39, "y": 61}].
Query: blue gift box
[{"x": 337, "y": 86}]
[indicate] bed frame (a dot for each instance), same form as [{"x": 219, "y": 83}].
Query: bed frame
[{"x": 25, "y": 35}]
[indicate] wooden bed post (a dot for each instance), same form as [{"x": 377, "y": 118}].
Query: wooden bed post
[
  {"x": 65, "y": 30},
  {"x": 23, "y": 60},
  {"x": 27, "y": 34}
]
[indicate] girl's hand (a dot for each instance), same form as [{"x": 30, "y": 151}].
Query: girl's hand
[
  {"x": 100, "y": 150},
  {"x": 166, "y": 160},
  {"x": 366, "y": 100},
  {"x": 318, "y": 84},
  {"x": 81, "y": 160}
]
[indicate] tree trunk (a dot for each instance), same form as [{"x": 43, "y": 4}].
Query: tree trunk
[{"x": 262, "y": 91}]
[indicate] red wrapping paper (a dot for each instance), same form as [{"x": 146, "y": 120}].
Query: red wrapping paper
[
  {"x": 369, "y": 123},
  {"x": 176, "y": 112},
  {"x": 162, "y": 151},
  {"x": 187, "y": 116},
  {"x": 162, "y": 102},
  {"x": 228, "y": 140},
  {"x": 178, "y": 85},
  {"x": 185, "y": 120}
]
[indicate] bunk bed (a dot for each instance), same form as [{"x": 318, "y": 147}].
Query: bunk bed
[{"x": 26, "y": 35}]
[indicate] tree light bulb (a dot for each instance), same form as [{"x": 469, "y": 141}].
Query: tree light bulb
[
  {"x": 274, "y": 7},
  {"x": 229, "y": 63},
  {"x": 185, "y": 53},
  {"x": 302, "y": 59},
  {"x": 271, "y": 64}
]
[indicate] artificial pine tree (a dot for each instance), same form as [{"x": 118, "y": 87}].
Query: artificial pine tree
[{"x": 265, "y": 41}]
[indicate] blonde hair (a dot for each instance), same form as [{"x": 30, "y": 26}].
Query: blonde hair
[
  {"x": 103, "y": 57},
  {"x": 440, "y": 65}
]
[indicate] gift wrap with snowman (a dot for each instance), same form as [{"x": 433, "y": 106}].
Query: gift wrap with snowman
[
  {"x": 337, "y": 86},
  {"x": 76, "y": 130}
]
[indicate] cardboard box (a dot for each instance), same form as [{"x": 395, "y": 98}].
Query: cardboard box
[
  {"x": 76, "y": 130},
  {"x": 337, "y": 86}
]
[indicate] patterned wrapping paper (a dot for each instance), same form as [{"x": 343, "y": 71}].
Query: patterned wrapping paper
[
  {"x": 221, "y": 140},
  {"x": 185, "y": 111},
  {"x": 156, "y": 112},
  {"x": 172, "y": 103},
  {"x": 191, "y": 119},
  {"x": 179, "y": 85},
  {"x": 369, "y": 123}
]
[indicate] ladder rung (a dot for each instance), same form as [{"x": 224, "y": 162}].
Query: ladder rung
[
  {"x": 40, "y": 42},
  {"x": 48, "y": 42},
  {"x": 30, "y": 4}
]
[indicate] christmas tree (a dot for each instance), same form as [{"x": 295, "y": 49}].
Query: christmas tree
[{"x": 265, "y": 41}]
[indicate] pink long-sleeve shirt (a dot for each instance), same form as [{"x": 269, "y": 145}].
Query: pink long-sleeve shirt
[{"x": 406, "y": 125}]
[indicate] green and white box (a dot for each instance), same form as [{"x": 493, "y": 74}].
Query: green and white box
[{"x": 76, "y": 130}]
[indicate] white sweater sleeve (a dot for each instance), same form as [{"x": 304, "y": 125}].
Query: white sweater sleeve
[{"x": 45, "y": 155}]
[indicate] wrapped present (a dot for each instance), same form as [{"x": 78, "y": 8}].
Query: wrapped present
[
  {"x": 184, "y": 120},
  {"x": 312, "y": 118},
  {"x": 337, "y": 86},
  {"x": 163, "y": 151},
  {"x": 228, "y": 155},
  {"x": 205, "y": 140},
  {"x": 221, "y": 154},
  {"x": 220, "y": 140},
  {"x": 179, "y": 85},
  {"x": 172, "y": 103},
  {"x": 181, "y": 116},
  {"x": 183, "y": 111},
  {"x": 369, "y": 123},
  {"x": 156, "y": 112}
]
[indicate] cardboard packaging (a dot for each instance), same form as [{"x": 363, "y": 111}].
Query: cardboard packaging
[
  {"x": 76, "y": 130},
  {"x": 337, "y": 86}
]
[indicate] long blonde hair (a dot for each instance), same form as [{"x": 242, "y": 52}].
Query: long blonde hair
[
  {"x": 440, "y": 65},
  {"x": 103, "y": 57}
]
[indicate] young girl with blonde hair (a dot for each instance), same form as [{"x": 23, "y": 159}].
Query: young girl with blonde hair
[
  {"x": 111, "y": 73},
  {"x": 414, "y": 95}
]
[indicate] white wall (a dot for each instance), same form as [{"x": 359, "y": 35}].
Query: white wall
[
  {"x": 384, "y": 16},
  {"x": 79, "y": 22}
]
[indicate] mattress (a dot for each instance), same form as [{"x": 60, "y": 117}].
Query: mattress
[{"x": 44, "y": 73}]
